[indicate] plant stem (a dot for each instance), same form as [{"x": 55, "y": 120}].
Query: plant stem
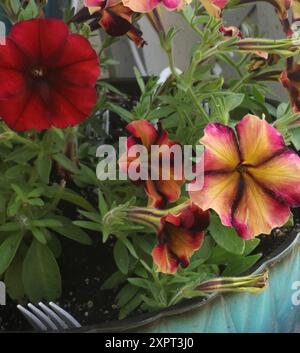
[
  {"x": 198, "y": 105},
  {"x": 171, "y": 63},
  {"x": 241, "y": 82},
  {"x": 228, "y": 60}
]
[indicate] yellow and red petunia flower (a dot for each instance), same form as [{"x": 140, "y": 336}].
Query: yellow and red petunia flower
[
  {"x": 214, "y": 7},
  {"x": 180, "y": 233},
  {"x": 290, "y": 79},
  {"x": 251, "y": 179},
  {"x": 115, "y": 18},
  {"x": 159, "y": 189},
  {"x": 145, "y": 6},
  {"x": 179, "y": 237}
]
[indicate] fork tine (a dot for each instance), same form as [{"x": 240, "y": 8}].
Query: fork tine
[
  {"x": 32, "y": 319},
  {"x": 44, "y": 318},
  {"x": 73, "y": 323},
  {"x": 53, "y": 316}
]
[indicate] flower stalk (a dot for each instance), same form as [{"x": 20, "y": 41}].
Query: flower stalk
[{"x": 254, "y": 284}]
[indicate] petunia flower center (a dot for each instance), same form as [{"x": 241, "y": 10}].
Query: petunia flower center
[
  {"x": 242, "y": 167},
  {"x": 37, "y": 72}
]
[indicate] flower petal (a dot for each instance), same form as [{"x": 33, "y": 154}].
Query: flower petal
[
  {"x": 180, "y": 246},
  {"x": 170, "y": 189},
  {"x": 63, "y": 99},
  {"x": 11, "y": 57},
  {"x": 165, "y": 262},
  {"x": 12, "y": 83},
  {"x": 25, "y": 35},
  {"x": 281, "y": 175},
  {"x": 156, "y": 200},
  {"x": 214, "y": 7},
  {"x": 143, "y": 130},
  {"x": 141, "y": 6},
  {"x": 52, "y": 46},
  {"x": 259, "y": 141},
  {"x": 78, "y": 50},
  {"x": 24, "y": 111},
  {"x": 221, "y": 149},
  {"x": 291, "y": 81},
  {"x": 36, "y": 40},
  {"x": 218, "y": 193},
  {"x": 173, "y": 4},
  {"x": 257, "y": 211}
]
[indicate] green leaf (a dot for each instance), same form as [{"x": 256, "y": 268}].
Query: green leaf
[
  {"x": 30, "y": 11},
  {"x": 240, "y": 265},
  {"x": 220, "y": 256},
  {"x": 250, "y": 245},
  {"x": 71, "y": 231},
  {"x": 205, "y": 251},
  {"x": 44, "y": 166},
  {"x": 66, "y": 163},
  {"x": 53, "y": 244},
  {"x": 41, "y": 276},
  {"x": 139, "y": 79},
  {"x": 52, "y": 223},
  {"x": 13, "y": 279},
  {"x": 295, "y": 137},
  {"x": 226, "y": 237},
  {"x": 142, "y": 283},
  {"x": 113, "y": 281},
  {"x": 93, "y": 216},
  {"x": 10, "y": 227},
  {"x": 39, "y": 235},
  {"x": 36, "y": 202},
  {"x": 102, "y": 205},
  {"x": 15, "y": 5},
  {"x": 233, "y": 100},
  {"x": 126, "y": 294},
  {"x": 88, "y": 225},
  {"x": 8, "y": 250},
  {"x": 22, "y": 155},
  {"x": 121, "y": 257},
  {"x": 70, "y": 196},
  {"x": 131, "y": 305},
  {"x": 123, "y": 113}
]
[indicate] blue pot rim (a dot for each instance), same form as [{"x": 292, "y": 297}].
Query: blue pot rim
[{"x": 149, "y": 318}]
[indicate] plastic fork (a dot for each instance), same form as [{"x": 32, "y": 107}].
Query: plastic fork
[{"x": 49, "y": 317}]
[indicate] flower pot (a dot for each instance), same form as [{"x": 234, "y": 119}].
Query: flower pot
[{"x": 277, "y": 309}]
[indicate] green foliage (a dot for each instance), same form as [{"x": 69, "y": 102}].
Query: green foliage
[
  {"x": 32, "y": 190},
  {"x": 41, "y": 179}
]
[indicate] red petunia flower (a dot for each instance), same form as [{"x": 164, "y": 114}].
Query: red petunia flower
[{"x": 48, "y": 76}]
